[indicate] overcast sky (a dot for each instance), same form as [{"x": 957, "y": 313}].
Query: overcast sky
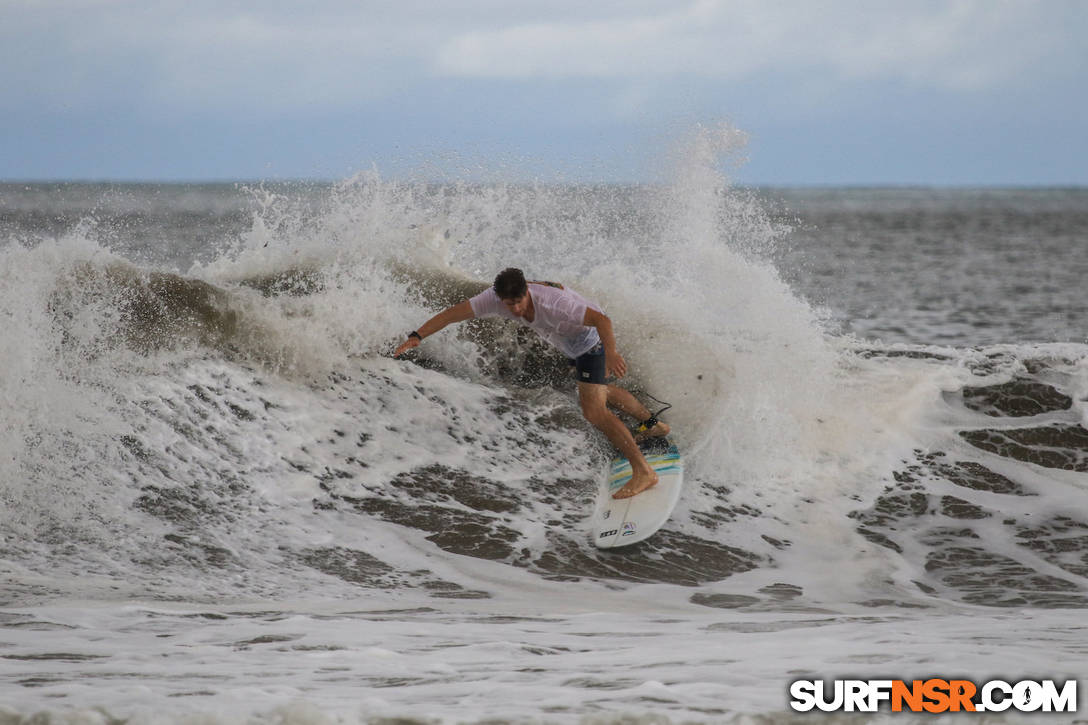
[{"x": 829, "y": 92}]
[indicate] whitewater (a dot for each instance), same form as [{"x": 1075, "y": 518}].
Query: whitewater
[{"x": 224, "y": 502}]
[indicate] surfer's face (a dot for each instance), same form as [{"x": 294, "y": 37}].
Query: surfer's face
[{"x": 520, "y": 306}]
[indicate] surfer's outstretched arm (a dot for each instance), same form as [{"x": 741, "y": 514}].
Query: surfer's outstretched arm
[{"x": 458, "y": 313}]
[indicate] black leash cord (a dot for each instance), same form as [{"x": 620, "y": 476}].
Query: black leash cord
[{"x": 653, "y": 416}]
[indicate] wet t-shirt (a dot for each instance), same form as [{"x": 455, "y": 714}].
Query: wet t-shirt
[{"x": 559, "y": 315}]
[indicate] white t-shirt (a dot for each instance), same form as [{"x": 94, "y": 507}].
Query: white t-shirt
[{"x": 558, "y": 318}]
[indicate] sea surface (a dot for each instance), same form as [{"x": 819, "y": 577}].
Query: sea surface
[{"x": 222, "y": 501}]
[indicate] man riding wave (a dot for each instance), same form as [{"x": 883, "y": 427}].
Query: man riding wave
[{"x": 582, "y": 332}]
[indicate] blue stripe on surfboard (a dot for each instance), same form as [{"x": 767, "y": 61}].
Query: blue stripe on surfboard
[
  {"x": 656, "y": 465},
  {"x": 624, "y": 463},
  {"x": 661, "y": 469},
  {"x": 626, "y": 473},
  {"x": 617, "y": 482},
  {"x": 655, "y": 457}
]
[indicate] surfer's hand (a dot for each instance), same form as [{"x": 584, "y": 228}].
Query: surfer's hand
[
  {"x": 614, "y": 364},
  {"x": 407, "y": 345}
]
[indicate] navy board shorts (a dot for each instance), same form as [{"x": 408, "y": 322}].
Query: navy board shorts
[{"x": 589, "y": 366}]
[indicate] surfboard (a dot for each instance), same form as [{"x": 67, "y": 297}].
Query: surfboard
[{"x": 622, "y": 522}]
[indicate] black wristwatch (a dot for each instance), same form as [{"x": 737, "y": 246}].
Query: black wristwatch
[{"x": 416, "y": 335}]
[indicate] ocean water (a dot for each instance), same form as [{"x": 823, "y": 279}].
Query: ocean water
[{"x": 223, "y": 502}]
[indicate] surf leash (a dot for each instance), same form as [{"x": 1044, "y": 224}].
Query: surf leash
[{"x": 652, "y": 420}]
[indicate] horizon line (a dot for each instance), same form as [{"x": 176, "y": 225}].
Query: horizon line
[{"x": 860, "y": 185}]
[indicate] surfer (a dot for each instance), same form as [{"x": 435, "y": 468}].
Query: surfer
[{"x": 579, "y": 329}]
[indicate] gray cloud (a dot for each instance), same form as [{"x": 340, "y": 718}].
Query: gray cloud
[
  {"x": 961, "y": 45},
  {"x": 92, "y": 78}
]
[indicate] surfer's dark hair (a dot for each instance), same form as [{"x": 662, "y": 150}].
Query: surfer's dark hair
[{"x": 510, "y": 284}]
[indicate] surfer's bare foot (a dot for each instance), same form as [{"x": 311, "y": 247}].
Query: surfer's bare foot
[
  {"x": 659, "y": 430},
  {"x": 637, "y": 485}
]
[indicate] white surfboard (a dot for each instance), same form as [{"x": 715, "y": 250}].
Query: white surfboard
[{"x": 621, "y": 522}]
